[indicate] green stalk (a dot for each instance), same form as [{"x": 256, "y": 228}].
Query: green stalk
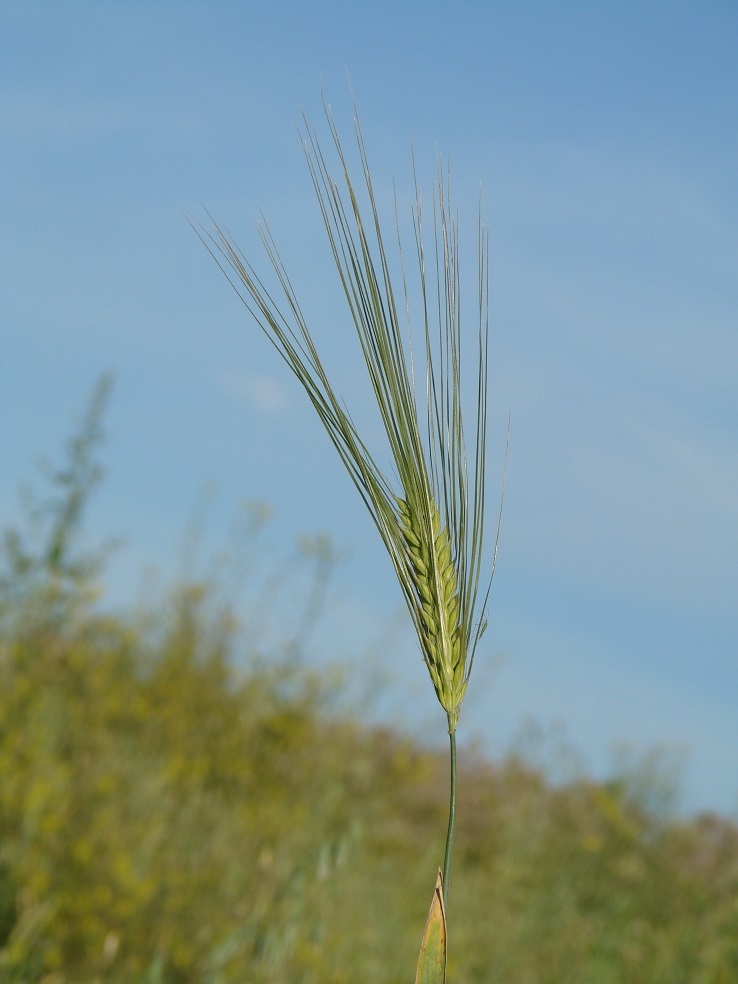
[{"x": 451, "y": 822}]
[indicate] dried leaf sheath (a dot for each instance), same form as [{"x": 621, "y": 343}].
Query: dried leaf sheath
[{"x": 432, "y": 961}]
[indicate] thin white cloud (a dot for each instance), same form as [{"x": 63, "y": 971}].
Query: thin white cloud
[
  {"x": 265, "y": 394},
  {"x": 627, "y": 489}
]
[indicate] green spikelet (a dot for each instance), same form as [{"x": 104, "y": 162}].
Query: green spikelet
[{"x": 435, "y": 580}]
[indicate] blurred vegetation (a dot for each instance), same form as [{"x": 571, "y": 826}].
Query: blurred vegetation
[{"x": 177, "y": 807}]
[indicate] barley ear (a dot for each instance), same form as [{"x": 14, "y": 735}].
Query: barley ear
[{"x": 428, "y": 506}]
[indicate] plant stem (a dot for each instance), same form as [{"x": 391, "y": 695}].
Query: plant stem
[{"x": 451, "y": 821}]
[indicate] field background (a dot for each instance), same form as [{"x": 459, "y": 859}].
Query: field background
[
  {"x": 179, "y": 804},
  {"x": 220, "y": 755}
]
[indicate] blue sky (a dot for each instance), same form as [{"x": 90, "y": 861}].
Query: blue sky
[{"x": 604, "y": 138}]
